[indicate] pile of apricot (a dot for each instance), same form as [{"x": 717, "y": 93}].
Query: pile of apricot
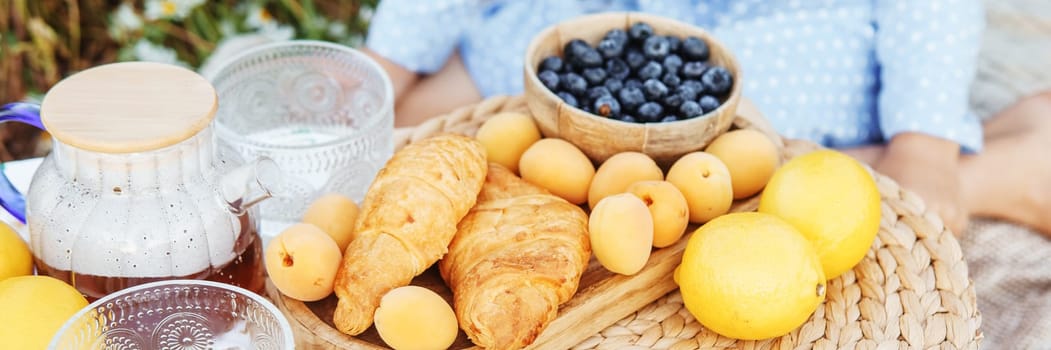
[{"x": 634, "y": 204}]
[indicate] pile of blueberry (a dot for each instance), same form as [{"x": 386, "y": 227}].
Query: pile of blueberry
[{"x": 636, "y": 76}]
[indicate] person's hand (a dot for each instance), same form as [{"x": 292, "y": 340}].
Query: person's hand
[{"x": 928, "y": 166}]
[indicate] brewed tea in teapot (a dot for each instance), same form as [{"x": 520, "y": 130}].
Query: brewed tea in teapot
[{"x": 135, "y": 189}]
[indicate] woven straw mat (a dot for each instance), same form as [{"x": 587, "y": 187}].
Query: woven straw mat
[{"x": 911, "y": 291}]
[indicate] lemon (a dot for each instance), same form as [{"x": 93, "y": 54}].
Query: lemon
[
  {"x": 15, "y": 258},
  {"x": 832, "y": 200},
  {"x": 750, "y": 276},
  {"x": 33, "y": 308}
]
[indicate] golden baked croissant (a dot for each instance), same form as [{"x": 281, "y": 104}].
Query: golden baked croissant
[
  {"x": 406, "y": 222},
  {"x": 516, "y": 257}
]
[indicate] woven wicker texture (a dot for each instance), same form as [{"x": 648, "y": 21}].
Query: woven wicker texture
[{"x": 911, "y": 291}]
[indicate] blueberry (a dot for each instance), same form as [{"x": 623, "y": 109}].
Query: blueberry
[
  {"x": 569, "y": 67},
  {"x": 650, "y": 112},
  {"x": 568, "y": 98},
  {"x": 654, "y": 89},
  {"x": 627, "y": 118},
  {"x": 697, "y": 87},
  {"x": 630, "y": 97},
  {"x": 673, "y": 101},
  {"x": 595, "y": 92},
  {"x": 589, "y": 58},
  {"x": 671, "y": 80},
  {"x": 635, "y": 83},
  {"x": 708, "y": 103},
  {"x": 617, "y": 69},
  {"x": 693, "y": 48},
  {"x": 634, "y": 58},
  {"x": 717, "y": 80},
  {"x": 617, "y": 35},
  {"x": 606, "y": 106},
  {"x": 693, "y": 70},
  {"x": 613, "y": 85},
  {"x": 687, "y": 92},
  {"x": 651, "y": 70},
  {"x": 690, "y": 109},
  {"x": 674, "y": 43},
  {"x": 672, "y": 63},
  {"x": 669, "y": 118},
  {"x": 574, "y": 83},
  {"x": 594, "y": 76},
  {"x": 640, "y": 31},
  {"x": 551, "y": 63},
  {"x": 550, "y": 79},
  {"x": 655, "y": 47},
  {"x": 574, "y": 48},
  {"x": 610, "y": 48}
]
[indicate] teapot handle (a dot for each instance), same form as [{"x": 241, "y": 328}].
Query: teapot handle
[{"x": 12, "y": 200}]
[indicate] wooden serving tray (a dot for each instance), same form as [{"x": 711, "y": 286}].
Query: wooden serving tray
[{"x": 602, "y": 299}]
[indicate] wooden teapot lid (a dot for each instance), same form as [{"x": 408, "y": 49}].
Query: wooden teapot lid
[{"x": 128, "y": 107}]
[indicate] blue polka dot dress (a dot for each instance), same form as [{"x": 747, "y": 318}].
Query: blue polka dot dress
[{"x": 838, "y": 72}]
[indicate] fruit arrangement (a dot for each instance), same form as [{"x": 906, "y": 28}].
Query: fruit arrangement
[
  {"x": 818, "y": 215},
  {"x": 637, "y": 76},
  {"x": 620, "y": 210},
  {"x": 510, "y": 217}
]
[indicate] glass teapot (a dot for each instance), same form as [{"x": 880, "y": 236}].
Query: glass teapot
[{"x": 135, "y": 189}]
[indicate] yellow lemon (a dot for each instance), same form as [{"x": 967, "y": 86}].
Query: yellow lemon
[
  {"x": 34, "y": 308},
  {"x": 15, "y": 258},
  {"x": 832, "y": 200},
  {"x": 750, "y": 276}
]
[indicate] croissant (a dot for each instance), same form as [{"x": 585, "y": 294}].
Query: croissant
[
  {"x": 516, "y": 257},
  {"x": 407, "y": 219}
]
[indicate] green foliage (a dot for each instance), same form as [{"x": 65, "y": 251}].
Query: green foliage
[{"x": 42, "y": 41}]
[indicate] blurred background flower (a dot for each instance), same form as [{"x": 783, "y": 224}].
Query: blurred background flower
[{"x": 42, "y": 41}]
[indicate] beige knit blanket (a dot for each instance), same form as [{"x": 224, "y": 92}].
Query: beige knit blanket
[
  {"x": 1011, "y": 265},
  {"x": 1011, "y": 269}
]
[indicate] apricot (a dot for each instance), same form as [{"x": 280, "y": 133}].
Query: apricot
[
  {"x": 413, "y": 317},
  {"x": 335, "y": 214},
  {"x": 506, "y": 136},
  {"x": 560, "y": 167},
  {"x": 750, "y": 156},
  {"x": 621, "y": 232},
  {"x": 302, "y": 261},
  {"x": 668, "y": 207},
  {"x": 620, "y": 171},
  {"x": 705, "y": 182}
]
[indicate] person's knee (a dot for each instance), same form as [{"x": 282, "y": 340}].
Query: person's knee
[{"x": 1041, "y": 100}]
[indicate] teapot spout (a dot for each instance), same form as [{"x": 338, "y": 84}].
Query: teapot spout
[{"x": 249, "y": 184}]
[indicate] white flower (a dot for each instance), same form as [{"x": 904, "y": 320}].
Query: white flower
[
  {"x": 258, "y": 17},
  {"x": 126, "y": 18},
  {"x": 170, "y": 9},
  {"x": 231, "y": 46},
  {"x": 123, "y": 22},
  {"x": 365, "y": 14},
  {"x": 337, "y": 29},
  {"x": 227, "y": 27},
  {"x": 150, "y": 52}
]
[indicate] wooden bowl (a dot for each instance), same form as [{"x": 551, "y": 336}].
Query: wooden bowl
[{"x": 600, "y": 137}]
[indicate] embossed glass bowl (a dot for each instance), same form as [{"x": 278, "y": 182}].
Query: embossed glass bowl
[
  {"x": 324, "y": 112},
  {"x": 177, "y": 314}
]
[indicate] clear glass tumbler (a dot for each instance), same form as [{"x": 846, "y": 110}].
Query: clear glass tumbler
[
  {"x": 178, "y": 314},
  {"x": 324, "y": 112}
]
